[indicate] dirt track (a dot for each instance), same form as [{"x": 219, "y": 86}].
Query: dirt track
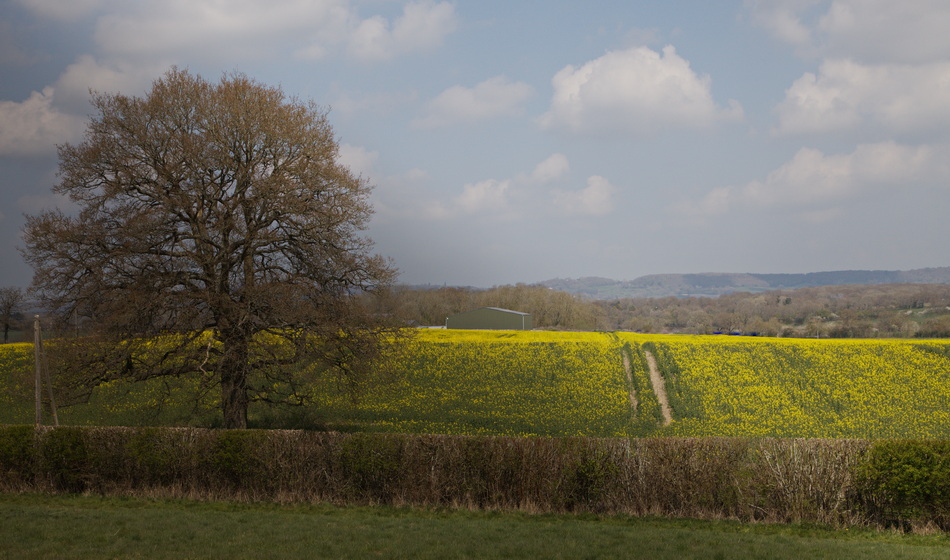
[
  {"x": 659, "y": 388},
  {"x": 633, "y": 392}
]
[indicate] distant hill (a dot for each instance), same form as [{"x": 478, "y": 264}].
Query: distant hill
[{"x": 715, "y": 284}]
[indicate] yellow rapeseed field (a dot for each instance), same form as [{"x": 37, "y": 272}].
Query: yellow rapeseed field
[
  {"x": 574, "y": 383},
  {"x": 499, "y": 382},
  {"x": 740, "y": 386}
]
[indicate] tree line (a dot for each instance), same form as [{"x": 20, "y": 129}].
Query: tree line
[
  {"x": 849, "y": 311},
  {"x": 551, "y": 309}
]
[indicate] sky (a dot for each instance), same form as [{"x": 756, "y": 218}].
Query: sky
[{"x": 523, "y": 140}]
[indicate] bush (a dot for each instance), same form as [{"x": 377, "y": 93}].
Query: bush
[
  {"x": 237, "y": 459},
  {"x": 16, "y": 456},
  {"x": 371, "y": 465},
  {"x": 154, "y": 460},
  {"x": 689, "y": 477},
  {"x": 589, "y": 473},
  {"x": 64, "y": 459},
  {"x": 904, "y": 482}
]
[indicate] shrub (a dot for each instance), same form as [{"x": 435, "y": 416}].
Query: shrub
[
  {"x": 842, "y": 482},
  {"x": 794, "y": 480},
  {"x": 906, "y": 482},
  {"x": 237, "y": 460},
  {"x": 370, "y": 464},
  {"x": 687, "y": 476},
  {"x": 64, "y": 458},
  {"x": 589, "y": 474},
  {"x": 154, "y": 459},
  {"x": 16, "y": 456}
]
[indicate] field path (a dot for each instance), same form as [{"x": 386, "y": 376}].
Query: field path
[{"x": 659, "y": 388}]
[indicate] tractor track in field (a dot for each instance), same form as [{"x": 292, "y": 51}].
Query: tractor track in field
[{"x": 659, "y": 388}]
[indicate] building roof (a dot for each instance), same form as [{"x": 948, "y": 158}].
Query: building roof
[{"x": 505, "y": 310}]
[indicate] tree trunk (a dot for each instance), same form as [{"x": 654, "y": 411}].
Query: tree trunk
[{"x": 233, "y": 371}]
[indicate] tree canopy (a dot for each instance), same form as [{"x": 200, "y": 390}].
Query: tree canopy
[{"x": 218, "y": 217}]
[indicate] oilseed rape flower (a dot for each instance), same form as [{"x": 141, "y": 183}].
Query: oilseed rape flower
[
  {"x": 505, "y": 383},
  {"x": 580, "y": 384},
  {"x": 811, "y": 388}
]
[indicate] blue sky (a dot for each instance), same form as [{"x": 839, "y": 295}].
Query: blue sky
[{"x": 518, "y": 141}]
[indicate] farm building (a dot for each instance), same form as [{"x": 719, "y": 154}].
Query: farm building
[{"x": 491, "y": 318}]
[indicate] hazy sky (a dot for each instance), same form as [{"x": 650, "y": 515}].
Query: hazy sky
[{"x": 517, "y": 141}]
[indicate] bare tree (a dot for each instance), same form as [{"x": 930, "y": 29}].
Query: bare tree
[
  {"x": 218, "y": 216},
  {"x": 10, "y": 301}
]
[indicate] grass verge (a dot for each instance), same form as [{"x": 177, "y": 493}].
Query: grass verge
[{"x": 87, "y": 527}]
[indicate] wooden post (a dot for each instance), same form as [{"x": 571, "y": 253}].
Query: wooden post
[
  {"x": 38, "y": 360},
  {"x": 49, "y": 384}
]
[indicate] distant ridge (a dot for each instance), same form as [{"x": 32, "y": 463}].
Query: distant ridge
[{"x": 713, "y": 284}]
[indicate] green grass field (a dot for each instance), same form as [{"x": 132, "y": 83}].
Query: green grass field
[
  {"x": 567, "y": 384},
  {"x": 89, "y": 527}
]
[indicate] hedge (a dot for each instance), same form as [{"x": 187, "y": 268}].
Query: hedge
[{"x": 837, "y": 482}]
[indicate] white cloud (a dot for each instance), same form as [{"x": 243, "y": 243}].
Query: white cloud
[
  {"x": 551, "y": 169},
  {"x": 494, "y": 97},
  {"x": 783, "y": 18},
  {"x": 508, "y": 198},
  {"x": 632, "y": 91},
  {"x": 372, "y": 39},
  {"x": 238, "y": 30},
  {"x": 221, "y": 30},
  {"x": 35, "y": 126},
  {"x": 488, "y": 195},
  {"x": 845, "y": 94},
  {"x": 423, "y": 25},
  {"x": 885, "y": 64},
  {"x": 596, "y": 199},
  {"x": 909, "y": 31},
  {"x": 138, "y": 41},
  {"x": 87, "y": 73},
  {"x": 812, "y": 180},
  {"x": 870, "y": 31}
]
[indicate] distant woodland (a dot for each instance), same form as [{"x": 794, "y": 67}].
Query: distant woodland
[
  {"x": 843, "y": 311},
  {"x": 840, "y": 311}
]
